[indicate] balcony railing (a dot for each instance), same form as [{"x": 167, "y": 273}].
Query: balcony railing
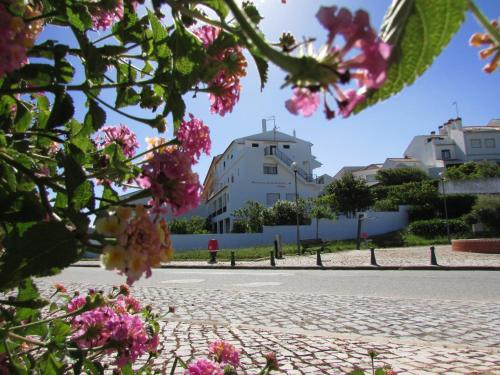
[{"x": 273, "y": 151}]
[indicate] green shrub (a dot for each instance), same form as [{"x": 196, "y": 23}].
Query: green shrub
[
  {"x": 414, "y": 193},
  {"x": 486, "y": 210},
  {"x": 423, "y": 212},
  {"x": 239, "y": 227},
  {"x": 473, "y": 170},
  {"x": 399, "y": 176},
  {"x": 437, "y": 227},
  {"x": 193, "y": 225},
  {"x": 385, "y": 205},
  {"x": 458, "y": 205}
]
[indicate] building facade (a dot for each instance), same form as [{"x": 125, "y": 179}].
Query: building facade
[{"x": 259, "y": 168}]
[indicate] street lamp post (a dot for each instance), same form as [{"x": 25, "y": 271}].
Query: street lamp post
[
  {"x": 295, "y": 169},
  {"x": 445, "y": 207}
]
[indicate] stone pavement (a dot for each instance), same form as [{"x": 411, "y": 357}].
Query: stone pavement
[{"x": 327, "y": 334}]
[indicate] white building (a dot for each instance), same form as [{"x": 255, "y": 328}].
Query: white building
[
  {"x": 258, "y": 168},
  {"x": 456, "y": 144}
]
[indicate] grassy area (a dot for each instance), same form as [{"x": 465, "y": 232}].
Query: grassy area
[
  {"x": 393, "y": 239},
  {"x": 258, "y": 252}
]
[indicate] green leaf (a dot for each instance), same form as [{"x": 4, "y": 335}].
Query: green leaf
[
  {"x": 82, "y": 196},
  {"x": 109, "y": 195},
  {"x": 64, "y": 71},
  {"x": 357, "y": 372},
  {"x": 96, "y": 116},
  {"x": 218, "y": 6},
  {"x": 59, "y": 331},
  {"x": 160, "y": 36},
  {"x": 418, "y": 30},
  {"x": 27, "y": 291},
  {"x": 23, "y": 118},
  {"x": 380, "y": 371},
  {"x": 41, "y": 250},
  {"x": 62, "y": 110},
  {"x": 78, "y": 16},
  {"x": 37, "y": 74},
  {"x": 262, "y": 68}
]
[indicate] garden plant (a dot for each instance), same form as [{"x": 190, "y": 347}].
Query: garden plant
[{"x": 61, "y": 172}]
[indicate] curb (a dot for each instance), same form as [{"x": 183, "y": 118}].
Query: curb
[{"x": 331, "y": 268}]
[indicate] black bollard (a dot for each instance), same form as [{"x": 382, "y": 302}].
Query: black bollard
[
  {"x": 273, "y": 262},
  {"x": 433, "y": 257},
  {"x": 319, "y": 263},
  {"x": 233, "y": 260},
  {"x": 373, "y": 260},
  {"x": 276, "y": 254}
]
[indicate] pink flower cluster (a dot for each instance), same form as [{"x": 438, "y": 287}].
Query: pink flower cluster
[
  {"x": 194, "y": 137},
  {"x": 122, "y": 136},
  {"x": 223, "y": 353},
  {"x": 113, "y": 328},
  {"x": 368, "y": 66},
  {"x": 169, "y": 176},
  {"x": 225, "y": 85},
  {"x": 168, "y": 170},
  {"x": 16, "y": 35},
  {"x": 106, "y": 12},
  {"x": 141, "y": 244}
]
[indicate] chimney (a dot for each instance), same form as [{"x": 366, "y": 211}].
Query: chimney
[
  {"x": 264, "y": 125},
  {"x": 294, "y": 134}
]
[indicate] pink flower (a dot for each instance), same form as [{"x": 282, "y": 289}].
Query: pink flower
[
  {"x": 76, "y": 303},
  {"x": 194, "y": 136},
  {"x": 490, "y": 48},
  {"x": 225, "y": 352},
  {"x": 17, "y": 36},
  {"x": 106, "y": 12},
  {"x": 303, "y": 102},
  {"x": 363, "y": 59},
  {"x": 203, "y": 366},
  {"x": 225, "y": 85},
  {"x": 122, "y": 136},
  {"x": 348, "y": 101},
  {"x": 169, "y": 176}
]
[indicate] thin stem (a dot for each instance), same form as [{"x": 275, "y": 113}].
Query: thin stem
[
  {"x": 80, "y": 87},
  {"x": 27, "y": 339},
  {"x": 139, "y": 119},
  {"x": 68, "y": 315},
  {"x": 485, "y": 22},
  {"x": 287, "y": 63},
  {"x": 41, "y": 16},
  {"x": 200, "y": 17},
  {"x": 171, "y": 142}
]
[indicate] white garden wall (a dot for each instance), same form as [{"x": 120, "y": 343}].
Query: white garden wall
[{"x": 340, "y": 229}]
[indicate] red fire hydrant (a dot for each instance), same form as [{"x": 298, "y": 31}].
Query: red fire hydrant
[{"x": 213, "y": 247}]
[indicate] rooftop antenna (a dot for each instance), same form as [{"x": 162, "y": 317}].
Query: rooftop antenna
[
  {"x": 273, "y": 119},
  {"x": 455, "y": 103}
]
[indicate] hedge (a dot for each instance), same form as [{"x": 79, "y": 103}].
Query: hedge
[{"x": 437, "y": 227}]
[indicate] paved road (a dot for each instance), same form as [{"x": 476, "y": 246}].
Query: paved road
[
  {"x": 448, "y": 285},
  {"x": 323, "y": 322}
]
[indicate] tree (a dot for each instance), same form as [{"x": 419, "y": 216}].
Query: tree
[
  {"x": 252, "y": 216},
  {"x": 473, "y": 170},
  {"x": 398, "y": 176},
  {"x": 321, "y": 209},
  {"x": 349, "y": 195},
  {"x": 285, "y": 212},
  {"x": 486, "y": 210}
]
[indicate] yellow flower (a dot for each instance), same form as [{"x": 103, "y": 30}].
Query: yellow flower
[
  {"x": 124, "y": 213},
  {"x": 110, "y": 226},
  {"x": 113, "y": 257},
  {"x": 137, "y": 264}
]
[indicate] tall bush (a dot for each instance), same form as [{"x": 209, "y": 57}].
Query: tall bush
[
  {"x": 349, "y": 195},
  {"x": 398, "y": 176},
  {"x": 437, "y": 227},
  {"x": 486, "y": 210}
]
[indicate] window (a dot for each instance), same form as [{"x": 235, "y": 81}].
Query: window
[
  {"x": 290, "y": 196},
  {"x": 445, "y": 154},
  {"x": 272, "y": 198},
  {"x": 489, "y": 143},
  {"x": 224, "y": 164},
  {"x": 255, "y": 145},
  {"x": 270, "y": 169},
  {"x": 286, "y": 146},
  {"x": 475, "y": 143},
  {"x": 232, "y": 178}
]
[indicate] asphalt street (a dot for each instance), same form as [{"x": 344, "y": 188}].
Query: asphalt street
[{"x": 436, "y": 285}]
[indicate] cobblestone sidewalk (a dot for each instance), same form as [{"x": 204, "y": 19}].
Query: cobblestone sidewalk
[{"x": 324, "y": 334}]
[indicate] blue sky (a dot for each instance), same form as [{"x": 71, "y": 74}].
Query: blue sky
[{"x": 377, "y": 133}]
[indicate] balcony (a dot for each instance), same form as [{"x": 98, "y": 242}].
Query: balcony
[{"x": 284, "y": 158}]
